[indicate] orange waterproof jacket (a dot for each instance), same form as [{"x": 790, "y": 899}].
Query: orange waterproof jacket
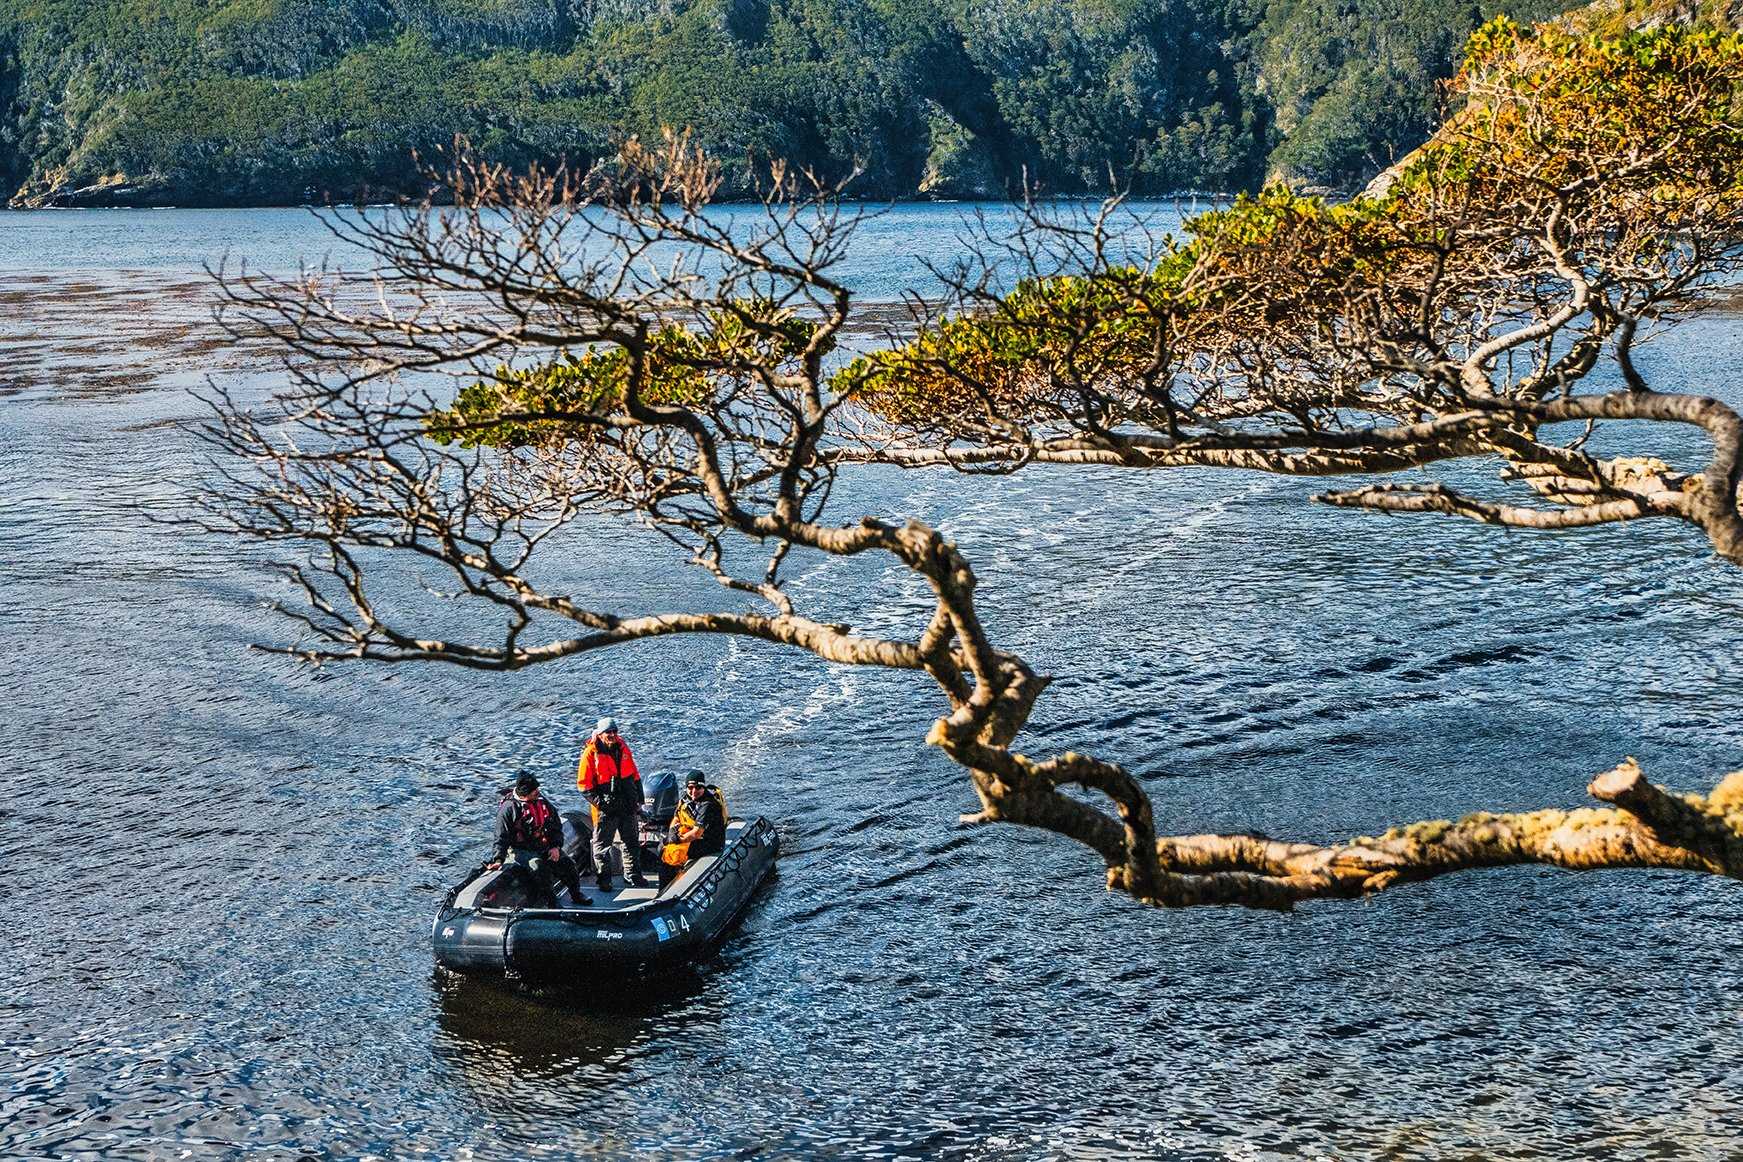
[{"x": 598, "y": 768}]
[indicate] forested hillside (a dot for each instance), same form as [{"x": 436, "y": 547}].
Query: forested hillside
[{"x": 223, "y": 102}]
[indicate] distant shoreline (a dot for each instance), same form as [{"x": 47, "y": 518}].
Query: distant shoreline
[{"x": 1213, "y": 197}]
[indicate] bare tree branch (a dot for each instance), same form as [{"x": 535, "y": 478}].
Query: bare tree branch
[{"x": 556, "y": 347}]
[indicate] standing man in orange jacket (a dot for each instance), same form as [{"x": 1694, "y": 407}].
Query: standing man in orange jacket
[{"x": 608, "y": 777}]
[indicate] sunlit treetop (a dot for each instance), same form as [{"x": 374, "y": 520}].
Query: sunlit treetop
[{"x": 1600, "y": 175}]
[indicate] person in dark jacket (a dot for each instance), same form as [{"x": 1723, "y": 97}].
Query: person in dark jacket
[
  {"x": 699, "y": 828},
  {"x": 529, "y": 835},
  {"x": 607, "y": 775}
]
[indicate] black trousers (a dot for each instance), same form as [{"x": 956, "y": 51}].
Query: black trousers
[{"x": 546, "y": 871}]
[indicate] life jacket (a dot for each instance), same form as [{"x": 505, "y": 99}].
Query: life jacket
[
  {"x": 540, "y": 813},
  {"x": 528, "y": 820},
  {"x": 684, "y": 819},
  {"x": 677, "y": 854},
  {"x": 601, "y": 766}
]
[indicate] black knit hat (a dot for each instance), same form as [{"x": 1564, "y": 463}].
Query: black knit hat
[
  {"x": 696, "y": 779},
  {"x": 526, "y": 784}
]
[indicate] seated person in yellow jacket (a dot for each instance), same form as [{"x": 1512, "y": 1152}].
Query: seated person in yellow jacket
[{"x": 699, "y": 827}]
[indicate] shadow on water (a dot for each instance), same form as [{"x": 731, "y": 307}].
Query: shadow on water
[{"x": 553, "y": 1032}]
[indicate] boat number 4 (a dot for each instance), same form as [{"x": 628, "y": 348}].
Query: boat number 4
[{"x": 665, "y": 929}]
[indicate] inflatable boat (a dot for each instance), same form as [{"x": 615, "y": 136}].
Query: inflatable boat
[{"x": 499, "y": 922}]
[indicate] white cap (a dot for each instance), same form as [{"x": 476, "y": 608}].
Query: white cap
[{"x": 605, "y": 724}]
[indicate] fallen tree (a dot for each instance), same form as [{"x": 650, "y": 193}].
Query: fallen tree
[{"x": 620, "y": 350}]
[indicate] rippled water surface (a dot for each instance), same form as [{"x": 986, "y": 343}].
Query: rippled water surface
[{"x": 225, "y": 864}]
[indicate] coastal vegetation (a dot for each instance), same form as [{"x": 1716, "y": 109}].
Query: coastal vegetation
[
  {"x": 248, "y": 102},
  {"x": 1480, "y": 309}
]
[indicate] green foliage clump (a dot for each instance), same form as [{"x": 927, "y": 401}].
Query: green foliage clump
[
  {"x": 983, "y": 361},
  {"x": 572, "y": 397},
  {"x": 1008, "y": 359}
]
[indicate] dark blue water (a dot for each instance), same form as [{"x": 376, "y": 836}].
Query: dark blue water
[{"x": 224, "y": 864}]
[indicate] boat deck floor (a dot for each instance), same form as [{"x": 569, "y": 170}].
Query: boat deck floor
[{"x": 620, "y": 897}]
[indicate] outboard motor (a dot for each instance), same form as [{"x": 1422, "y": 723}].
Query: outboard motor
[
  {"x": 659, "y": 805},
  {"x": 659, "y": 800}
]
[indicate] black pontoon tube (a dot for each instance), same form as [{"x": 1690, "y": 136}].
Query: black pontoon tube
[{"x": 552, "y": 943}]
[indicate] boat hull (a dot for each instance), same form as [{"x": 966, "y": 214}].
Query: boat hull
[{"x": 550, "y": 944}]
